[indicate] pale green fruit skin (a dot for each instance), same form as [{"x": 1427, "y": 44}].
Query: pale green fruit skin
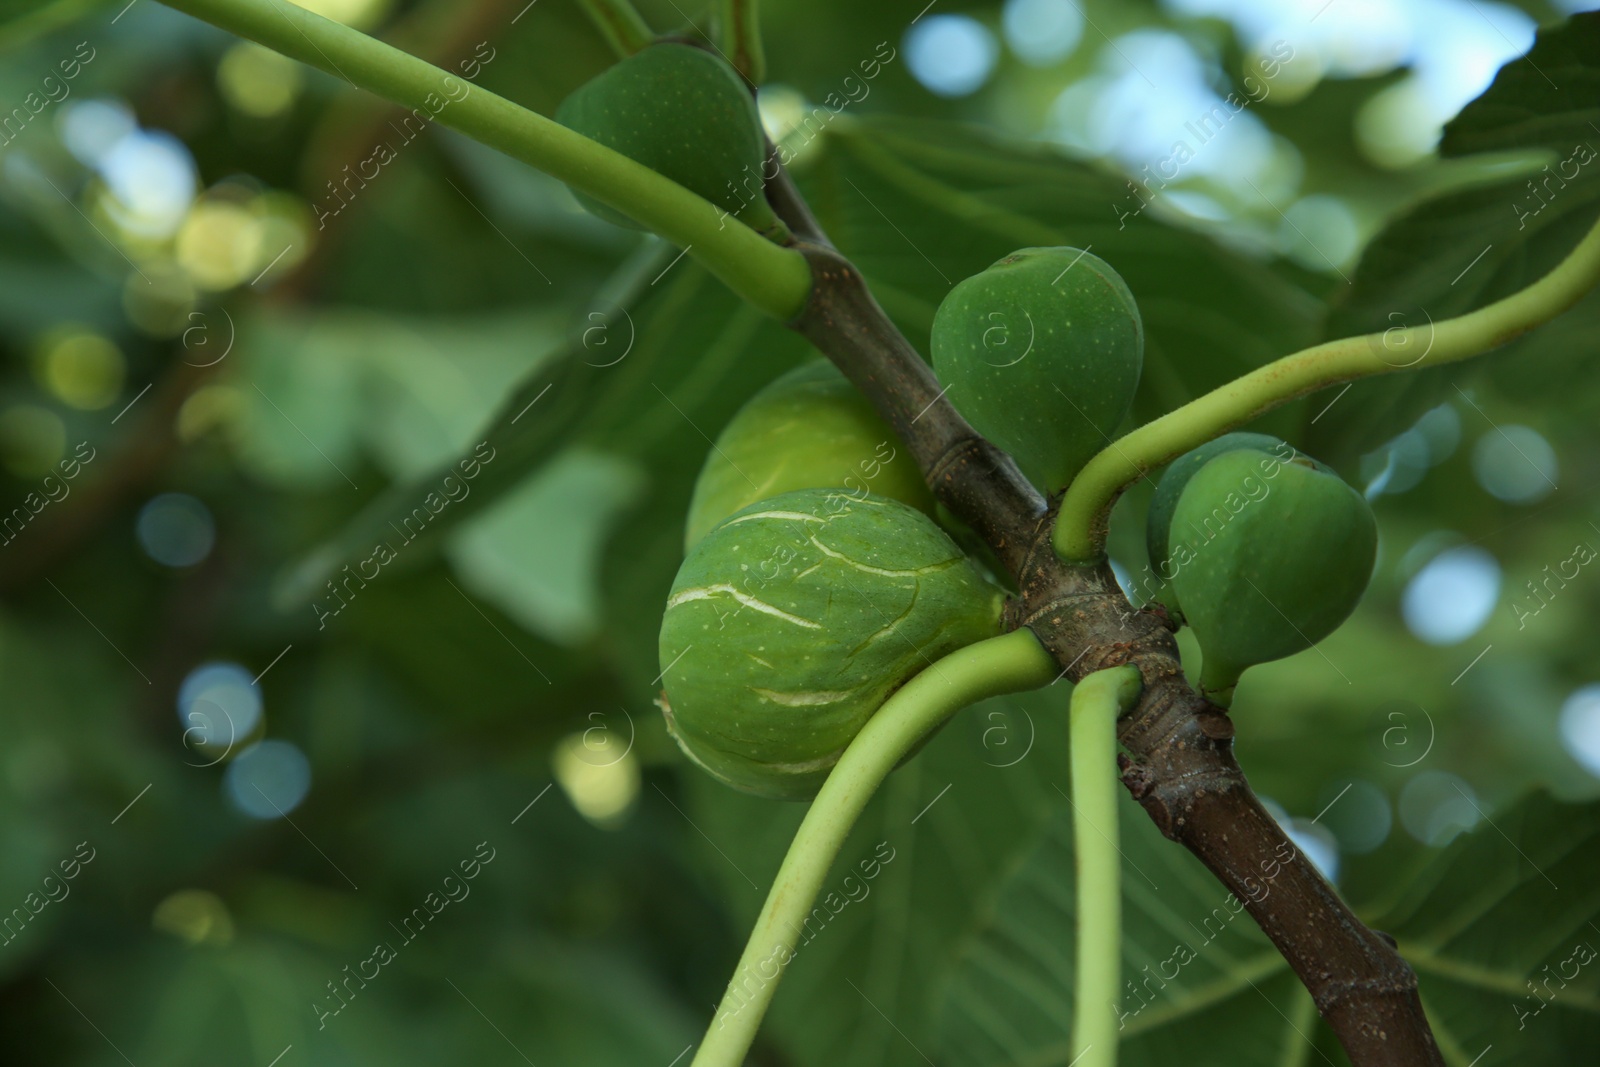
[
  {"x": 1277, "y": 569},
  {"x": 1158, "y": 520},
  {"x": 809, "y": 429},
  {"x": 792, "y": 621},
  {"x": 1042, "y": 354},
  {"x": 684, "y": 113}
]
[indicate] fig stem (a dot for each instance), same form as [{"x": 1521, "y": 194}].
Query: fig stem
[
  {"x": 775, "y": 279},
  {"x": 624, "y": 29},
  {"x": 1080, "y": 531},
  {"x": 739, "y": 38},
  {"x": 1011, "y": 663},
  {"x": 1096, "y": 703}
]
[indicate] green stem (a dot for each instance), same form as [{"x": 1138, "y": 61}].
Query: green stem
[
  {"x": 1080, "y": 530},
  {"x": 624, "y": 29},
  {"x": 1096, "y": 703},
  {"x": 777, "y": 280},
  {"x": 1006, "y": 664},
  {"x": 739, "y": 37}
]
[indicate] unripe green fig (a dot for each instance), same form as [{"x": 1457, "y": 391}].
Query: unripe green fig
[
  {"x": 684, "y": 113},
  {"x": 1042, "y": 354},
  {"x": 793, "y": 620},
  {"x": 1158, "y": 520},
  {"x": 808, "y": 429},
  {"x": 1267, "y": 564}
]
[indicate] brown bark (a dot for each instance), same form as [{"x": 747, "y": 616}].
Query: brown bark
[{"x": 1181, "y": 768}]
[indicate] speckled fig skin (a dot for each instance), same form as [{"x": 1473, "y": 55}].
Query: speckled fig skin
[
  {"x": 793, "y": 620},
  {"x": 1265, "y": 567},
  {"x": 1042, "y": 354},
  {"x": 685, "y": 114},
  {"x": 1158, "y": 520},
  {"x": 809, "y": 429}
]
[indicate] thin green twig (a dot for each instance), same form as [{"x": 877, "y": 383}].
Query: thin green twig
[
  {"x": 1080, "y": 530},
  {"x": 777, "y": 280},
  {"x": 1006, "y": 664},
  {"x": 1096, "y": 703}
]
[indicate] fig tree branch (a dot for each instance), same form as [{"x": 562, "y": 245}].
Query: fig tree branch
[
  {"x": 1086, "y": 507},
  {"x": 620, "y": 24},
  {"x": 1097, "y": 701},
  {"x": 1000, "y": 665},
  {"x": 770, "y": 277},
  {"x": 1181, "y": 766}
]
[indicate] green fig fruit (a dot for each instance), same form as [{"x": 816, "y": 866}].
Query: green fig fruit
[
  {"x": 1158, "y": 520},
  {"x": 685, "y": 114},
  {"x": 793, "y": 620},
  {"x": 1266, "y": 565},
  {"x": 1042, "y": 354},
  {"x": 809, "y": 429}
]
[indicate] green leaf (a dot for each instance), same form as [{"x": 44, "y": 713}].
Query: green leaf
[
  {"x": 1202, "y": 984},
  {"x": 1476, "y": 920},
  {"x": 536, "y": 554},
  {"x": 1494, "y": 918},
  {"x": 533, "y": 412},
  {"x": 1471, "y": 246}
]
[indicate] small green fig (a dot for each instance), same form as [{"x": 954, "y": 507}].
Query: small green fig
[
  {"x": 809, "y": 429},
  {"x": 684, "y": 113},
  {"x": 792, "y": 621},
  {"x": 1266, "y": 564},
  {"x": 1042, "y": 354},
  {"x": 1158, "y": 520}
]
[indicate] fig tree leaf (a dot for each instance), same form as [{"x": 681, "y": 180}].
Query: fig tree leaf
[
  {"x": 1499, "y": 926},
  {"x": 1476, "y": 920},
  {"x": 1194, "y": 963},
  {"x": 1472, "y": 245},
  {"x": 546, "y": 404}
]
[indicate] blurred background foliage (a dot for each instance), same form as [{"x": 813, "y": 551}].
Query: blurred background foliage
[{"x": 242, "y": 346}]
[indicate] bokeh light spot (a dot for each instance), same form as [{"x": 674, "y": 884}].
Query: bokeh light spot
[
  {"x": 1440, "y": 427},
  {"x": 1042, "y": 32},
  {"x": 197, "y": 916},
  {"x": 218, "y": 706},
  {"x": 220, "y": 244},
  {"x": 176, "y": 529},
  {"x": 597, "y": 770},
  {"x": 82, "y": 368},
  {"x": 1397, "y": 467},
  {"x": 1515, "y": 464},
  {"x": 149, "y": 183},
  {"x": 89, "y": 128},
  {"x": 1358, "y": 814},
  {"x": 257, "y": 80},
  {"x": 1451, "y": 597},
  {"x": 1398, "y": 126},
  {"x": 268, "y": 780},
  {"x": 951, "y": 55},
  {"x": 1580, "y": 727}
]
